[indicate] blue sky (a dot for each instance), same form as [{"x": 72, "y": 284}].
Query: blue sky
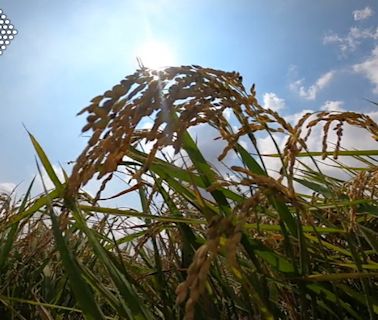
[{"x": 301, "y": 54}]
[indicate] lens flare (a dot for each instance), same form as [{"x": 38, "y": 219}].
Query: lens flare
[{"x": 155, "y": 54}]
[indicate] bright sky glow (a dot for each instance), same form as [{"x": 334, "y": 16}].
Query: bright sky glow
[{"x": 155, "y": 54}]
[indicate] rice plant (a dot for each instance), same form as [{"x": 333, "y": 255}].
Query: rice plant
[{"x": 223, "y": 238}]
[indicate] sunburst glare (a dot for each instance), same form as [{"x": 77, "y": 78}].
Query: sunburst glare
[{"x": 156, "y": 54}]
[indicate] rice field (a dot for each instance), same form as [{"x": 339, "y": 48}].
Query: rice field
[{"x": 223, "y": 238}]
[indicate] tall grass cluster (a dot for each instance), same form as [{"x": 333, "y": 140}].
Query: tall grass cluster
[{"x": 222, "y": 238}]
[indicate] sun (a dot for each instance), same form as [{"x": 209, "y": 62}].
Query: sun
[{"x": 155, "y": 54}]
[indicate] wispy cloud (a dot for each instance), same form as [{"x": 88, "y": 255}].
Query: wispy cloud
[
  {"x": 362, "y": 14},
  {"x": 272, "y": 101},
  {"x": 369, "y": 68},
  {"x": 312, "y": 91},
  {"x": 352, "y": 40}
]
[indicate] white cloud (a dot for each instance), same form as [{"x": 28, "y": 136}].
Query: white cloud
[
  {"x": 7, "y": 187},
  {"x": 227, "y": 113},
  {"x": 294, "y": 118},
  {"x": 333, "y": 105},
  {"x": 369, "y": 68},
  {"x": 272, "y": 101},
  {"x": 43, "y": 180},
  {"x": 358, "y": 138},
  {"x": 352, "y": 40},
  {"x": 362, "y": 14},
  {"x": 312, "y": 91},
  {"x": 353, "y": 138}
]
